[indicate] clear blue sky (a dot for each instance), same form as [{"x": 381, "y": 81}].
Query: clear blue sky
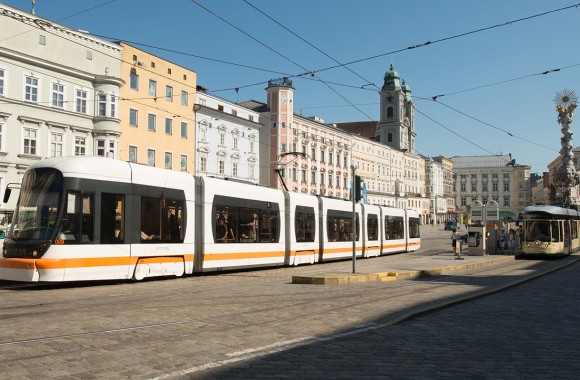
[{"x": 351, "y": 31}]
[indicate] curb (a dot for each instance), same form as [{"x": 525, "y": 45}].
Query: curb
[{"x": 343, "y": 278}]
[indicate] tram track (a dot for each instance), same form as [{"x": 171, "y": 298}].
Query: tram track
[{"x": 252, "y": 316}]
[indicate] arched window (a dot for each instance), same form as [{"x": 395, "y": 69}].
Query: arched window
[{"x": 389, "y": 113}]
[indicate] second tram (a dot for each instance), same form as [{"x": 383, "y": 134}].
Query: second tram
[{"x": 550, "y": 231}]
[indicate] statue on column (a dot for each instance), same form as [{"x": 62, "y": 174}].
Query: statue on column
[{"x": 565, "y": 177}]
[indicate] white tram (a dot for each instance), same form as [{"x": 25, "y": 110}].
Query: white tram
[
  {"x": 550, "y": 231},
  {"x": 92, "y": 218}
]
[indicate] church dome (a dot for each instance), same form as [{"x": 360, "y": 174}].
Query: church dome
[
  {"x": 392, "y": 80},
  {"x": 407, "y": 90}
]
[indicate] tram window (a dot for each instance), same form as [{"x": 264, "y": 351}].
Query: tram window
[
  {"x": 339, "y": 226},
  {"x": 304, "y": 225},
  {"x": 172, "y": 222},
  {"x": 394, "y": 227},
  {"x": 69, "y": 231},
  {"x": 150, "y": 219},
  {"x": 112, "y": 218},
  {"x": 269, "y": 226},
  {"x": 226, "y": 224},
  {"x": 556, "y": 231},
  {"x": 88, "y": 218},
  {"x": 239, "y": 220},
  {"x": 414, "y": 228},
  {"x": 373, "y": 227}
]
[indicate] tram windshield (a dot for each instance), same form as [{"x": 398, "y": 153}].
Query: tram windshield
[
  {"x": 37, "y": 209},
  {"x": 541, "y": 230}
]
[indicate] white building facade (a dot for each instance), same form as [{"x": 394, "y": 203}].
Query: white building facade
[
  {"x": 59, "y": 93},
  {"x": 227, "y": 139}
]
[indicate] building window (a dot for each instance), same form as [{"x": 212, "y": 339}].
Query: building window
[
  {"x": 222, "y": 165},
  {"x": 506, "y": 187},
  {"x": 151, "y": 157},
  {"x": 169, "y": 93},
  {"x": 203, "y": 164},
  {"x": 236, "y": 138},
  {"x": 220, "y": 108},
  {"x": 42, "y": 39},
  {"x": 494, "y": 186},
  {"x": 184, "y": 98},
  {"x": 389, "y": 137},
  {"x": 133, "y": 117},
  {"x": 183, "y": 163},
  {"x": 89, "y": 55},
  {"x": 102, "y": 105},
  {"x": 168, "y": 160},
  {"x": 234, "y": 112},
  {"x": 390, "y": 113},
  {"x": 168, "y": 126},
  {"x": 81, "y": 101},
  {"x": 2, "y": 82},
  {"x": 134, "y": 80},
  {"x": 152, "y": 87},
  {"x": 56, "y": 144},
  {"x": 283, "y": 148},
  {"x": 151, "y": 122},
  {"x": 222, "y": 138},
  {"x": 113, "y": 106},
  {"x": 234, "y": 169},
  {"x": 463, "y": 188},
  {"x": 473, "y": 187},
  {"x": 29, "y": 142},
  {"x": 484, "y": 186},
  {"x": 506, "y": 201},
  {"x": 31, "y": 89},
  {"x": 132, "y": 153},
  {"x": 252, "y": 143},
  {"x": 80, "y": 146},
  {"x": 106, "y": 148},
  {"x": 313, "y": 177},
  {"x": 183, "y": 130},
  {"x": 57, "y": 95},
  {"x": 1, "y": 137}
]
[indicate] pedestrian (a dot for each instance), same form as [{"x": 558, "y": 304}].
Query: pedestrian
[
  {"x": 501, "y": 240},
  {"x": 455, "y": 239},
  {"x": 512, "y": 241}
]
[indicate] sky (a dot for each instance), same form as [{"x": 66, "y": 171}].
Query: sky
[{"x": 486, "y": 58}]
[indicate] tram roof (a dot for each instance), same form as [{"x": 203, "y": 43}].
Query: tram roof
[{"x": 553, "y": 210}]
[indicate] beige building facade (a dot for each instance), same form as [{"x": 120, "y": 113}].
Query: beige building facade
[{"x": 157, "y": 115}]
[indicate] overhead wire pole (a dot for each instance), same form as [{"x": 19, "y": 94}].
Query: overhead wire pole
[
  {"x": 353, "y": 189},
  {"x": 281, "y": 165}
]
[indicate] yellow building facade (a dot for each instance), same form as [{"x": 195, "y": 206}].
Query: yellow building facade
[{"x": 157, "y": 117}]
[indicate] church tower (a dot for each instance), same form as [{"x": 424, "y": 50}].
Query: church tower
[{"x": 396, "y": 128}]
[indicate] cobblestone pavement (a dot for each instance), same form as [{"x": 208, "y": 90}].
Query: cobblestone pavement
[
  {"x": 526, "y": 332},
  {"x": 257, "y": 324}
]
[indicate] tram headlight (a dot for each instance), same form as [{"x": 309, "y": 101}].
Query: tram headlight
[{"x": 34, "y": 253}]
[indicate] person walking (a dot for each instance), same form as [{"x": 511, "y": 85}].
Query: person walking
[
  {"x": 512, "y": 241},
  {"x": 455, "y": 239},
  {"x": 501, "y": 240}
]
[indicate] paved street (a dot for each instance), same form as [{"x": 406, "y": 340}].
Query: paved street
[
  {"x": 526, "y": 332},
  {"x": 257, "y": 324}
]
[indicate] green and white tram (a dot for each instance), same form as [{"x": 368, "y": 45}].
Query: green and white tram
[{"x": 550, "y": 231}]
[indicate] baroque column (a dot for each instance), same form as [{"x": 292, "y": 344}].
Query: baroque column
[{"x": 565, "y": 176}]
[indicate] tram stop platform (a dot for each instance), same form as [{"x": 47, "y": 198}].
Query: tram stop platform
[{"x": 396, "y": 267}]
